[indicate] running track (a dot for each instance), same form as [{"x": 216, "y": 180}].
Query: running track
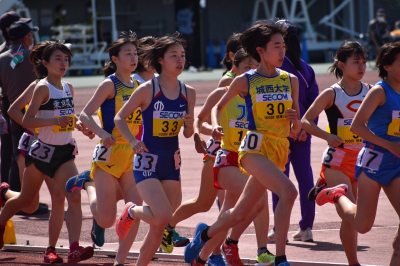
[{"x": 374, "y": 247}]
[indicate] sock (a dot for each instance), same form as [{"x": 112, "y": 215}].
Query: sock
[
  {"x": 230, "y": 241},
  {"x": 73, "y": 245},
  {"x": 54, "y": 248},
  {"x": 169, "y": 228},
  {"x": 212, "y": 256},
  {"x": 337, "y": 196},
  {"x": 3, "y": 194},
  {"x": 261, "y": 251},
  {"x": 280, "y": 259},
  {"x": 129, "y": 212},
  {"x": 198, "y": 260},
  {"x": 204, "y": 237}
]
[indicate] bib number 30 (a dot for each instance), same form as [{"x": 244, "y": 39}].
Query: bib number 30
[
  {"x": 41, "y": 151},
  {"x": 251, "y": 142}
]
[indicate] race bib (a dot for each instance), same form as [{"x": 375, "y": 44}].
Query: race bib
[
  {"x": 167, "y": 124},
  {"x": 145, "y": 162},
  {"x": 25, "y": 142},
  {"x": 213, "y": 146},
  {"x": 41, "y": 151},
  {"x": 343, "y": 131},
  {"x": 370, "y": 159},
  {"x": 220, "y": 159},
  {"x": 135, "y": 118},
  {"x": 236, "y": 131},
  {"x": 273, "y": 105},
  {"x": 101, "y": 153},
  {"x": 177, "y": 158},
  {"x": 333, "y": 157},
  {"x": 394, "y": 126},
  {"x": 67, "y": 128},
  {"x": 251, "y": 142}
]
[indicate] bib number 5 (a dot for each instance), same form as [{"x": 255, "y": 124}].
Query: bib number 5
[{"x": 251, "y": 142}]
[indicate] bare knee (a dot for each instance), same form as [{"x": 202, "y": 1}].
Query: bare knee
[
  {"x": 396, "y": 244},
  {"x": 364, "y": 228},
  {"x": 74, "y": 198},
  {"x": 105, "y": 221},
  {"x": 261, "y": 203},
  {"x": 163, "y": 219},
  {"x": 289, "y": 195},
  {"x": 204, "y": 206},
  {"x": 57, "y": 199}
]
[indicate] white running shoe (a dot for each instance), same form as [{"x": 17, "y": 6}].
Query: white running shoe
[
  {"x": 271, "y": 237},
  {"x": 305, "y": 236}
]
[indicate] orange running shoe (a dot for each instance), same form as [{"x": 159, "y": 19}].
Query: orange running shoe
[
  {"x": 124, "y": 222},
  {"x": 328, "y": 194},
  {"x": 231, "y": 254}
]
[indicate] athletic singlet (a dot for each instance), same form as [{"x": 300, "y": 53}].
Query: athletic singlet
[
  {"x": 385, "y": 120},
  {"x": 266, "y": 102},
  {"x": 340, "y": 115},
  {"x": 234, "y": 124},
  {"x": 139, "y": 78},
  {"x": 110, "y": 107},
  {"x": 163, "y": 118},
  {"x": 60, "y": 103}
]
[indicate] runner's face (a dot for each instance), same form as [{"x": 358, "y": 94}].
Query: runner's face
[
  {"x": 174, "y": 59},
  {"x": 127, "y": 57},
  {"x": 58, "y": 63},
  {"x": 274, "y": 52},
  {"x": 394, "y": 70},
  {"x": 246, "y": 65},
  {"x": 354, "y": 67}
]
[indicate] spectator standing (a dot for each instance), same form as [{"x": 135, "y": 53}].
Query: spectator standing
[
  {"x": 378, "y": 30},
  {"x": 16, "y": 73},
  {"x": 6, "y": 20},
  {"x": 185, "y": 25}
]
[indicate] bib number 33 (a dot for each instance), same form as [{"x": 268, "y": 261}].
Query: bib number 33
[
  {"x": 251, "y": 142},
  {"x": 145, "y": 162}
]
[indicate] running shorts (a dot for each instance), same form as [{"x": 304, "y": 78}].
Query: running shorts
[
  {"x": 340, "y": 159},
  {"x": 224, "y": 158}
]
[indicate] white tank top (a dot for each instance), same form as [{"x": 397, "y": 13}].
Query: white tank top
[
  {"x": 340, "y": 115},
  {"x": 60, "y": 103}
]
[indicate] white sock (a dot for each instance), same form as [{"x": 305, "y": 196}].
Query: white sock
[{"x": 129, "y": 212}]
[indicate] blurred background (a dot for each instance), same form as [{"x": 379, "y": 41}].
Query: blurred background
[{"x": 91, "y": 25}]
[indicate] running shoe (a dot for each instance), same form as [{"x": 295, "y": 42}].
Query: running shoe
[
  {"x": 79, "y": 254},
  {"x": 266, "y": 258},
  {"x": 303, "y": 235},
  {"x": 285, "y": 263},
  {"x": 193, "y": 249},
  {"x": 2, "y": 230},
  {"x": 3, "y": 186},
  {"x": 217, "y": 260},
  {"x": 271, "y": 237},
  {"x": 50, "y": 256},
  {"x": 328, "y": 194},
  {"x": 97, "y": 234},
  {"x": 124, "y": 222},
  {"x": 179, "y": 241},
  {"x": 167, "y": 241},
  {"x": 78, "y": 181},
  {"x": 231, "y": 254},
  {"x": 195, "y": 263},
  {"x": 319, "y": 185}
]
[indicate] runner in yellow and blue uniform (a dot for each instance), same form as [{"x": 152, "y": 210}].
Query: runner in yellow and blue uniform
[
  {"x": 270, "y": 96},
  {"x": 166, "y": 105},
  {"x": 112, "y": 157}
]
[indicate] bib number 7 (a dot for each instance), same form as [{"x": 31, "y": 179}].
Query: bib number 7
[
  {"x": 370, "y": 159},
  {"x": 251, "y": 142}
]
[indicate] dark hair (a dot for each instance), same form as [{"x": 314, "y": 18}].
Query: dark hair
[
  {"x": 158, "y": 49},
  {"x": 113, "y": 50},
  {"x": 43, "y": 51},
  {"x": 240, "y": 55},
  {"x": 259, "y": 35},
  {"x": 386, "y": 57},
  {"x": 293, "y": 49},
  {"x": 142, "y": 43},
  {"x": 345, "y": 51},
  {"x": 232, "y": 45}
]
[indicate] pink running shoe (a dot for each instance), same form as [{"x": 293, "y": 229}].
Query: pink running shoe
[
  {"x": 50, "y": 256},
  {"x": 79, "y": 254},
  {"x": 328, "y": 194},
  {"x": 124, "y": 222}
]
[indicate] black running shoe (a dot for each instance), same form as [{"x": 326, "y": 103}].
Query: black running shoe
[
  {"x": 97, "y": 234},
  {"x": 319, "y": 185}
]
